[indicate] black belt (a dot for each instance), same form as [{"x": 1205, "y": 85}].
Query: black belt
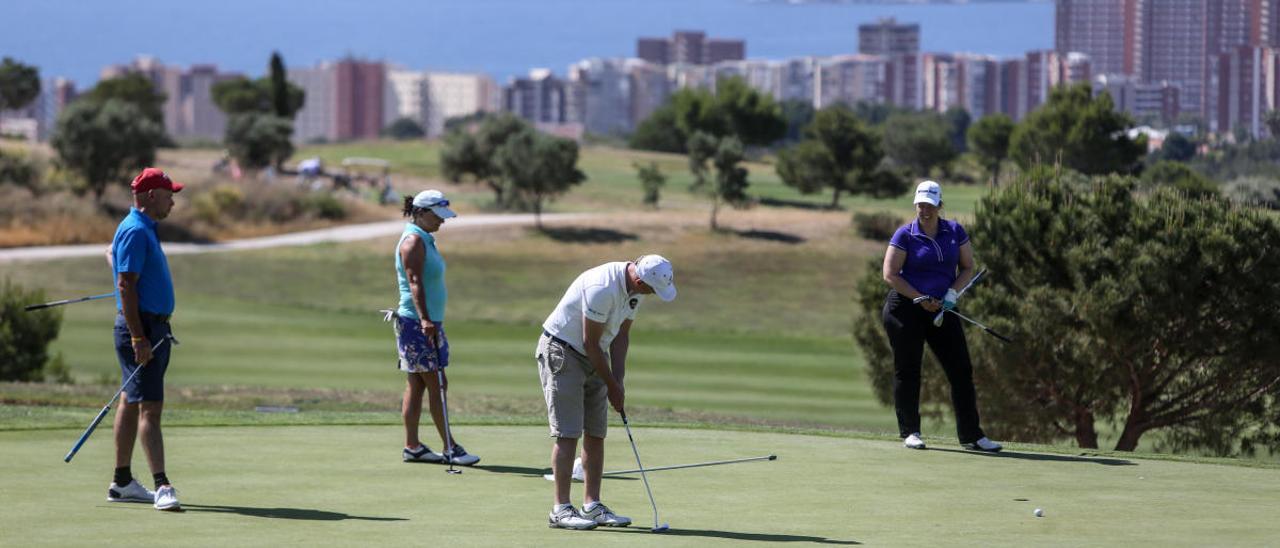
[{"x": 562, "y": 342}]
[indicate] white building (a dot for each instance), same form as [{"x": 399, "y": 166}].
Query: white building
[
  {"x": 451, "y": 95},
  {"x": 317, "y": 121},
  {"x": 406, "y": 97},
  {"x": 849, "y": 79}
]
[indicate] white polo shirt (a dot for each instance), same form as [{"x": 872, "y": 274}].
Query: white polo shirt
[{"x": 599, "y": 294}]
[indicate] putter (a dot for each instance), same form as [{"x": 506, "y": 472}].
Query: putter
[
  {"x": 107, "y": 408},
  {"x": 656, "y": 528},
  {"x": 937, "y": 320},
  {"x": 989, "y": 331},
  {"x": 551, "y": 477},
  {"x": 444, "y": 404},
  {"x": 67, "y": 301}
]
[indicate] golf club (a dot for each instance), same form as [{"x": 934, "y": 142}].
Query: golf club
[
  {"x": 68, "y": 301},
  {"x": 937, "y": 320},
  {"x": 444, "y": 404},
  {"x": 656, "y": 528},
  {"x": 989, "y": 331},
  {"x": 107, "y": 408},
  {"x": 551, "y": 477}
]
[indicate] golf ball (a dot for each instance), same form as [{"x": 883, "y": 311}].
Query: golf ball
[{"x": 1039, "y": 513}]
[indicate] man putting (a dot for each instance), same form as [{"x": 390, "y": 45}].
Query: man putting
[
  {"x": 582, "y": 357},
  {"x": 144, "y": 299}
]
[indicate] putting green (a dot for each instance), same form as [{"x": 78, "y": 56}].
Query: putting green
[{"x": 345, "y": 485}]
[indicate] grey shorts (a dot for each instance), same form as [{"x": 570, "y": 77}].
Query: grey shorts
[{"x": 577, "y": 398}]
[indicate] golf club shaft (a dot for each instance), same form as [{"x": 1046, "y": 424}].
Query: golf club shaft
[
  {"x": 989, "y": 331},
  {"x": 444, "y": 402},
  {"x": 643, "y": 477},
  {"x": 107, "y": 408},
  {"x": 694, "y": 465},
  {"x": 68, "y": 301},
  {"x": 937, "y": 320}
]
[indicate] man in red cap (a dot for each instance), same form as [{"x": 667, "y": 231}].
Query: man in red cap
[{"x": 144, "y": 299}]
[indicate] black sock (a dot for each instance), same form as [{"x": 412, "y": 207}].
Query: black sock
[
  {"x": 124, "y": 475},
  {"x": 161, "y": 479}
]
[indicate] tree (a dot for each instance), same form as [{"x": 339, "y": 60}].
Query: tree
[
  {"x": 281, "y": 101},
  {"x": 841, "y": 154},
  {"x": 723, "y": 180},
  {"x": 1177, "y": 147},
  {"x": 1139, "y": 310},
  {"x": 659, "y": 132},
  {"x": 798, "y": 114},
  {"x": 1179, "y": 177},
  {"x": 19, "y": 84},
  {"x": 25, "y": 336},
  {"x": 403, "y": 129},
  {"x": 466, "y": 153},
  {"x": 735, "y": 109},
  {"x": 257, "y": 140},
  {"x": 106, "y": 142},
  {"x": 989, "y": 140},
  {"x": 958, "y": 119},
  {"x": 652, "y": 179},
  {"x": 1272, "y": 120},
  {"x": 1083, "y": 132},
  {"x": 132, "y": 88},
  {"x": 538, "y": 168},
  {"x": 918, "y": 142}
]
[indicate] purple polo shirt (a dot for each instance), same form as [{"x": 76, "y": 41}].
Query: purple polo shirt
[{"x": 931, "y": 262}]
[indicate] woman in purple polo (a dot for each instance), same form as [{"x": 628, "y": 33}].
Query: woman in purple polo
[{"x": 928, "y": 260}]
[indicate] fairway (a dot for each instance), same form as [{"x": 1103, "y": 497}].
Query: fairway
[{"x": 345, "y": 485}]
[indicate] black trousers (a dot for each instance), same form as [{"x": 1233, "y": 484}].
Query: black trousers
[{"x": 909, "y": 327}]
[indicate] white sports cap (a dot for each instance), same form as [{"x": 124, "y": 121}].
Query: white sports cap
[
  {"x": 435, "y": 201},
  {"x": 929, "y": 192},
  {"x": 655, "y": 271}
]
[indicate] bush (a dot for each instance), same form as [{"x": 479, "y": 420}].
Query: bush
[
  {"x": 25, "y": 336},
  {"x": 325, "y": 206},
  {"x": 878, "y": 226},
  {"x": 1263, "y": 191},
  {"x": 212, "y": 206},
  {"x": 18, "y": 170}
]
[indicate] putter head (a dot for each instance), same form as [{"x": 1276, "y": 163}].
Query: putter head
[
  {"x": 773, "y": 457},
  {"x": 453, "y": 471},
  {"x": 661, "y": 528}
]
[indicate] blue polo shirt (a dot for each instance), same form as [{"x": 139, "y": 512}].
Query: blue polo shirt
[
  {"x": 136, "y": 248},
  {"x": 931, "y": 262},
  {"x": 433, "y": 268}
]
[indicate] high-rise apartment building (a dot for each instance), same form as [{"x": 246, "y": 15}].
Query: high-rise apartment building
[
  {"x": 358, "y": 94},
  {"x": 849, "y": 79},
  {"x": 1108, "y": 31},
  {"x": 601, "y": 89},
  {"x": 189, "y": 111},
  {"x": 690, "y": 47},
  {"x": 538, "y": 98},
  {"x": 1247, "y": 88},
  {"x": 316, "y": 120},
  {"x": 1141, "y": 100},
  {"x": 453, "y": 95},
  {"x": 888, "y": 37},
  {"x": 904, "y": 84},
  {"x": 406, "y": 96}
]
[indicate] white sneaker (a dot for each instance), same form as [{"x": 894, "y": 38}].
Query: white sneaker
[
  {"x": 421, "y": 453},
  {"x": 914, "y": 442},
  {"x": 984, "y": 444},
  {"x": 460, "y": 456},
  {"x": 569, "y": 518},
  {"x": 133, "y": 492},
  {"x": 167, "y": 498},
  {"x": 602, "y": 515}
]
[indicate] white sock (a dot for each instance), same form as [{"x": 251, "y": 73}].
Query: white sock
[
  {"x": 590, "y": 505},
  {"x": 559, "y": 507}
]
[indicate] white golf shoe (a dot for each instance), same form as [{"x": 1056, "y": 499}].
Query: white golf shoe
[
  {"x": 460, "y": 456},
  {"x": 569, "y": 518},
  {"x": 167, "y": 498},
  {"x": 421, "y": 453},
  {"x": 914, "y": 442},
  {"x": 602, "y": 515},
  {"x": 133, "y": 492},
  {"x": 984, "y": 444}
]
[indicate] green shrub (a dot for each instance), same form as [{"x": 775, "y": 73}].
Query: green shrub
[
  {"x": 216, "y": 204},
  {"x": 878, "y": 226},
  {"x": 325, "y": 206},
  {"x": 18, "y": 170},
  {"x": 25, "y": 336},
  {"x": 1264, "y": 191}
]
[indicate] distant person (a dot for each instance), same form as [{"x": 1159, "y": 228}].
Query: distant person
[
  {"x": 930, "y": 257},
  {"x": 582, "y": 358},
  {"x": 419, "y": 326},
  {"x": 144, "y": 300}
]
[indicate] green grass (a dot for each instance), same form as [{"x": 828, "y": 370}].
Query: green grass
[{"x": 344, "y": 485}]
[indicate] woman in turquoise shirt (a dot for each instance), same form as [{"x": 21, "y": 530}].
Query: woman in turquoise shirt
[{"x": 420, "y": 337}]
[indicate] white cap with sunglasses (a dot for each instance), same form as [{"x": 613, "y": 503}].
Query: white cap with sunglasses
[{"x": 435, "y": 201}]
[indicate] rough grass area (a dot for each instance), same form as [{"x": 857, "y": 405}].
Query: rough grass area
[{"x": 345, "y": 485}]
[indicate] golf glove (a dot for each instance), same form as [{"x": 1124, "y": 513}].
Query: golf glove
[{"x": 949, "y": 301}]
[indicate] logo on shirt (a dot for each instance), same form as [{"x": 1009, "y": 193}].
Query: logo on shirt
[{"x": 633, "y": 302}]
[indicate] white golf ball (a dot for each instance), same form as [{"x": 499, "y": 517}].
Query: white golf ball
[{"x": 1039, "y": 513}]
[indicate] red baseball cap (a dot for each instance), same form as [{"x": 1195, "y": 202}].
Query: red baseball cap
[{"x": 152, "y": 178}]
